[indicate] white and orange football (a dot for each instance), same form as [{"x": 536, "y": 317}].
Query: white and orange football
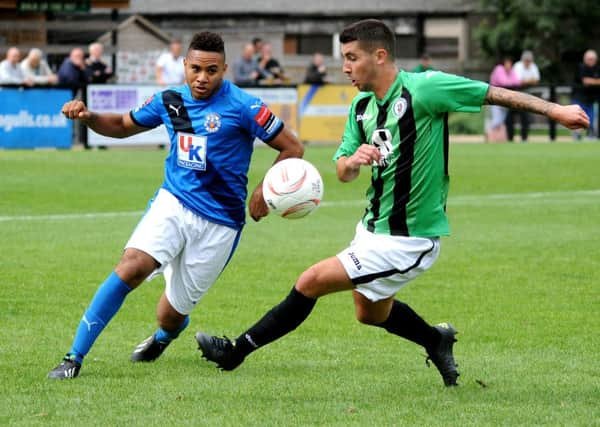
[{"x": 292, "y": 188}]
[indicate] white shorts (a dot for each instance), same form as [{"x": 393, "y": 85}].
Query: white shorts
[
  {"x": 192, "y": 251},
  {"x": 379, "y": 264}
]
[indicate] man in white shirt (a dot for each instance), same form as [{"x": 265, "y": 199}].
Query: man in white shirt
[
  {"x": 169, "y": 66},
  {"x": 10, "y": 70},
  {"x": 529, "y": 74},
  {"x": 35, "y": 67}
]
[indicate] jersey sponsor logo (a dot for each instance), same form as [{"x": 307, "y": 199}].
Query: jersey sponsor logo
[
  {"x": 400, "y": 107},
  {"x": 212, "y": 122},
  {"x": 363, "y": 117},
  {"x": 191, "y": 151},
  {"x": 382, "y": 140},
  {"x": 266, "y": 119}
]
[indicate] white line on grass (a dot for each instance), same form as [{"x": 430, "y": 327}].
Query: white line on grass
[{"x": 512, "y": 198}]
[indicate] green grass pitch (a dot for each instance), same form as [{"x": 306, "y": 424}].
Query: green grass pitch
[{"x": 519, "y": 278}]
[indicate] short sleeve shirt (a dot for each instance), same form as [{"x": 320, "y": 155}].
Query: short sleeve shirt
[
  {"x": 409, "y": 126},
  {"x": 212, "y": 142}
]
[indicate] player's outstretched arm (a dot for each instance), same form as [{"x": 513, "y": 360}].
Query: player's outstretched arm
[
  {"x": 570, "y": 116},
  {"x": 348, "y": 168},
  {"x": 288, "y": 146},
  {"x": 108, "y": 124}
]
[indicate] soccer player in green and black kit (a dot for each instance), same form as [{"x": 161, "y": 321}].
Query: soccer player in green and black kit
[{"x": 397, "y": 126}]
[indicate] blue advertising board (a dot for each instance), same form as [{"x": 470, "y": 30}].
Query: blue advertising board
[{"x": 31, "y": 118}]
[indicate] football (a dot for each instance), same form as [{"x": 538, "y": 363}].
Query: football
[{"x": 292, "y": 188}]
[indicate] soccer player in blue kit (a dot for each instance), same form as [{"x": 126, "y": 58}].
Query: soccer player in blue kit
[{"x": 193, "y": 224}]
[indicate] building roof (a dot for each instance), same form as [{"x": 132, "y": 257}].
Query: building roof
[{"x": 304, "y": 7}]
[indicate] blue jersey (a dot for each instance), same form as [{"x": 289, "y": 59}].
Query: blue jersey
[{"x": 211, "y": 145}]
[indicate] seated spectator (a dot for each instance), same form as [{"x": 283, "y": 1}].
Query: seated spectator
[
  {"x": 169, "y": 66},
  {"x": 96, "y": 70},
  {"x": 257, "y": 44},
  {"x": 72, "y": 71},
  {"x": 316, "y": 71},
  {"x": 35, "y": 67},
  {"x": 245, "y": 70},
  {"x": 424, "y": 64},
  {"x": 270, "y": 69},
  {"x": 10, "y": 70}
]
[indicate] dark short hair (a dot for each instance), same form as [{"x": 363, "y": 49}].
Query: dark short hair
[
  {"x": 208, "y": 42},
  {"x": 371, "y": 34}
]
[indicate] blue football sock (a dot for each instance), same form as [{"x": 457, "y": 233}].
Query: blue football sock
[
  {"x": 104, "y": 305},
  {"x": 168, "y": 336}
]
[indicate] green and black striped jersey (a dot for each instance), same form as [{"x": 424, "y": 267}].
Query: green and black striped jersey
[{"x": 409, "y": 186}]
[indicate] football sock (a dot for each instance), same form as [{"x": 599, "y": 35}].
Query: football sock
[
  {"x": 404, "y": 322},
  {"x": 280, "y": 320},
  {"x": 107, "y": 301},
  {"x": 168, "y": 336}
]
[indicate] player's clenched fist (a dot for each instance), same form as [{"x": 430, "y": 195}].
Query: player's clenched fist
[{"x": 75, "y": 110}]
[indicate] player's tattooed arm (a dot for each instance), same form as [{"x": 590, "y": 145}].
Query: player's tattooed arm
[
  {"x": 570, "y": 116},
  {"x": 518, "y": 100}
]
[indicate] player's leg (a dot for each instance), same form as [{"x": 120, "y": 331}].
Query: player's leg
[
  {"x": 133, "y": 267},
  {"x": 189, "y": 275},
  {"x": 170, "y": 324},
  {"x": 323, "y": 278},
  {"x": 379, "y": 266},
  {"x": 154, "y": 242}
]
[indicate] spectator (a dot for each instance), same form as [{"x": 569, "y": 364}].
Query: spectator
[
  {"x": 270, "y": 69},
  {"x": 35, "y": 67},
  {"x": 72, "y": 71},
  {"x": 424, "y": 64},
  {"x": 96, "y": 70},
  {"x": 503, "y": 75},
  {"x": 245, "y": 70},
  {"x": 529, "y": 75},
  {"x": 169, "y": 66},
  {"x": 316, "y": 71},
  {"x": 587, "y": 87},
  {"x": 11, "y": 72},
  {"x": 257, "y": 44}
]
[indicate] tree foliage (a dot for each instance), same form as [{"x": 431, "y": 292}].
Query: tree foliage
[{"x": 557, "y": 31}]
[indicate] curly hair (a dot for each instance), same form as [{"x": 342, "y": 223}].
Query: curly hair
[
  {"x": 370, "y": 34},
  {"x": 208, "y": 42}
]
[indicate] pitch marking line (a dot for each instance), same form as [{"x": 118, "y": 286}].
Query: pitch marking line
[{"x": 513, "y": 198}]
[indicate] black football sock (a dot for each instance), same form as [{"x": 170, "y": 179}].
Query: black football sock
[
  {"x": 404, "y": 322},
  {"x": 280, "y": 320}
]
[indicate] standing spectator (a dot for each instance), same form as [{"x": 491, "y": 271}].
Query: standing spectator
[
  {"x": 424, "y": 64},
  {"x": 529, "y": 75},
  {"x": 11, "y": 72},
  {"x": 96, "y": 70},
  {"x": 72, "y": 71},
  {"x": 503, "y": 75},
  {"x": 270, "y": 69},
  {"x": 587, "y": 87},
  {"x": 169, "y": 66},
  {"x": 316, "y": 71},
  {"x": 35, "y": 67},
  {"x": 245, "y": 70}
]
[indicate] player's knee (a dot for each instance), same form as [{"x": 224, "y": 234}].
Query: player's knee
[
  {"x": 308, "y": 283},
  {"x": 135, "y": 266}
]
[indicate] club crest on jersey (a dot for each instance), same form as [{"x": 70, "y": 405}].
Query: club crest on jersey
[
  {"x": 400, "y": 107},
  {"x": 212, "y": 122},
  {"x": 191, "y": 151}
]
